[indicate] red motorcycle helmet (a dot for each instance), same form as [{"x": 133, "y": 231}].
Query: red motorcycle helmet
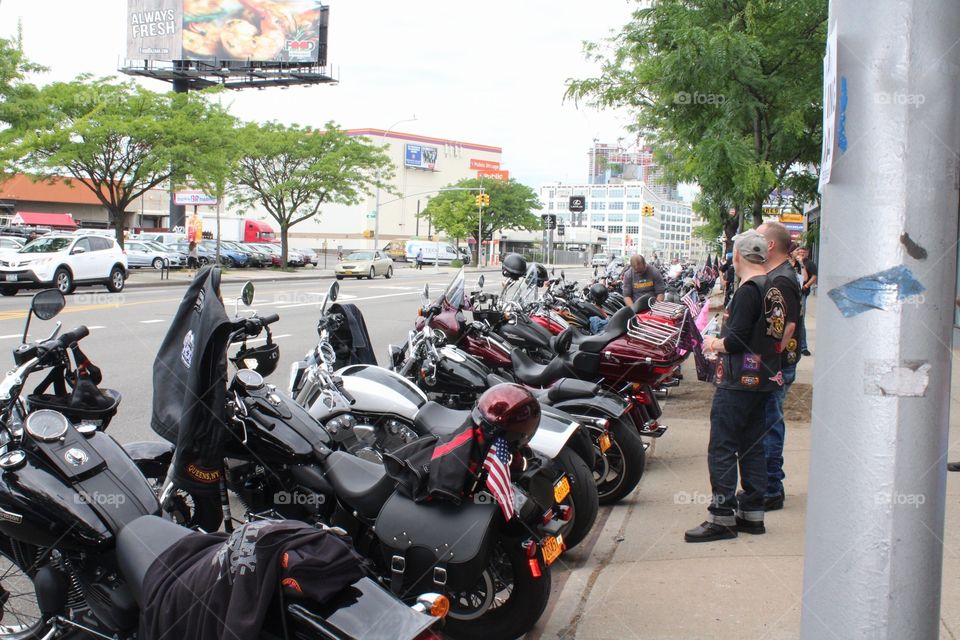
[{"x": 508, "y": 410}]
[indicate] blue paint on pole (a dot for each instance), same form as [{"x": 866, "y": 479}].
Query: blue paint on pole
[
  {"x": 842, "y": 121},
  {"x": 883, "y": 290}
]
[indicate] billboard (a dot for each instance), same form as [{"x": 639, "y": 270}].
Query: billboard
[
  {"x": 194, "y": 197},
  {"x": 485, "y": 165},
  {"x": 496, "y": 175},
  {"x": 280, "y": 31},
  {"x": 418, "y": 156}
]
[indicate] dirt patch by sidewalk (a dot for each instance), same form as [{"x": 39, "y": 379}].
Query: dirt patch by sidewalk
[{"x": 692, "y": 400}]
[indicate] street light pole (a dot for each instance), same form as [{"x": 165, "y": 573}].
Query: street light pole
[{"x": 376, "y": 214}]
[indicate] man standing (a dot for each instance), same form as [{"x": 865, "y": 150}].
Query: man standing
[
  {"x": 728, "y": 277},
  {"x": 809, "y": 276},
  {"x": 420, "y": 259},
  {"x": 641, "y": 279},
  {"x": 782, "y": 276},
  {"x": 747, "y": 371}
]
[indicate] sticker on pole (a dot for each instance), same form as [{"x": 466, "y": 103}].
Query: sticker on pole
[{"x": 884, "y": 290}]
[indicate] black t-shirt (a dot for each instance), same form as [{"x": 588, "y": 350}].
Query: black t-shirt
[
  {"x": 745, "y": 310},
  {"x": 810, "y": 269}
]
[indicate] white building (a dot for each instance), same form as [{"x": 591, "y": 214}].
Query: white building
[{"x": 614, "y": 219}]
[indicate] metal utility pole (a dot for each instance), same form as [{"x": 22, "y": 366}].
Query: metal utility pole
[{"x": 881, "y": 399}]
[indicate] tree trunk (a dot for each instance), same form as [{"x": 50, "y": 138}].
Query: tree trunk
[
  {"x": 757, "y": 212},
  {"x": 117, "y": 217},
  {"x": 283, "y": 246}
]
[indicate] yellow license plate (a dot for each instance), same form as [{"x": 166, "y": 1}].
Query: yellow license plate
[
  {"x": 561, "y": 490},
  {"x": 552, "y": 548},
  {"x": 604, "y": 442},
  {"x": 348, "y": 273}
]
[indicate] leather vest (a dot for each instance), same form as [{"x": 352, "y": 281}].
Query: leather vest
[
  {"x": 758, "y": 367},
  {"x": 791, "y": 353}
]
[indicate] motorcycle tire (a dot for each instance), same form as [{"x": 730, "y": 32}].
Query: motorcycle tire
[
  {"x": 626, "y": 459},
  {"x": 194, "y": 512},
  {"x": 510, "y": 618},
  {"x": 20, "y": 590},
  {"x": 583, "y": 497}
]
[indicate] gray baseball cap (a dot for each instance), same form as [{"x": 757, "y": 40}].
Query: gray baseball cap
[{"x": 751, "y": 245}]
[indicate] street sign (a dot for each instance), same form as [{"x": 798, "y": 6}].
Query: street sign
[
  {"x": 578, "y": 203},
  {"x": 560, "y": 230},
  {"x": 791, "y": 217},
  {"x": 496, "y": 174},
  {"x": 371, "y": 215},
  {"x": 549, "y": 220}
]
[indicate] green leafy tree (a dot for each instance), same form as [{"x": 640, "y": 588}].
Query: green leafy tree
[
  {"x": 292, "y": 171},
  {"x": 116, "y": 139},
  {"x": 511, "y": 207},
  {"x": 729, "y": 92},
  {"x": 14, "y": 69}
]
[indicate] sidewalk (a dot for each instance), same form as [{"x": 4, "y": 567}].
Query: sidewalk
[{"x": 641, "y": 580}]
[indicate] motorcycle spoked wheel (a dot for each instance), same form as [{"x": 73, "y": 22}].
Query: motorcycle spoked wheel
[
  {"x": 506, "y": 601},
  {"x": 186, "y": 509},
  {"x": 18, "y": 597},
  {"x": 583, "y": 497},
  {"x": 618, "y": 470}
]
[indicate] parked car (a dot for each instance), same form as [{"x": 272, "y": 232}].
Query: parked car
[
  {"x": 294, "y": 257},
  {"x": 600, "y": 260},
  {"x": 364, "y": 264},
  {"x": 64, "y": 261},
  {"x": 204, "y": 255},
  {"x": 255, "y": 258},
  {"x": 229, "y": 257},
  {"x": 259, "y": 255},
  {"x": 165, "y": 248},
  {"x": 11, "y": 243},
  {"x": 163, "y": 237},
  {"x": 146, "y": 254},
  {"x": 309, "y": 256}
]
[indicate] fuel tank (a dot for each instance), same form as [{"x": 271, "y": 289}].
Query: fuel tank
[{"x": 379, "y": 390}]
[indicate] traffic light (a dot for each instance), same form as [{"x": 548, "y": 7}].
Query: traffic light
[
  {"x": 478, "y": 199},
  {"x": 486, "y": 199},
  {"x": 647, "y": 210}
]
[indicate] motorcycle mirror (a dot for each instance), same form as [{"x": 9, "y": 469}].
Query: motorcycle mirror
[
  {"x": 562, "y": 275},
  {"x": 47, "y": 304},
  {"x": 246, "y": 294},
  {"x": 332, "y": 294},
  {"x": 425, "y": 294}
]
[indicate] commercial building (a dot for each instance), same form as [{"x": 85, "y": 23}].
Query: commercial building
[
  {"x": 612, "y": 163},
  {"x": 615, "y": 221},
  {"x": 422, "y": 166}
]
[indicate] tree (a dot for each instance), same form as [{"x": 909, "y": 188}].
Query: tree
[
  {"x": 511, "y": 207},
  {"x": 292, "y": 171},
  {"x": 14, "y": 69},
  {"x": 729, "y": 91},
  {"x": 116, "y": 139}
]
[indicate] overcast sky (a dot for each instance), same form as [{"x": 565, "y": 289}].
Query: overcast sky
[{"x": 492, "y": 73}]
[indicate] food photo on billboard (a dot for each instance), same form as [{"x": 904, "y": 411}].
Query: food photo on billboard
[{"x": 280, "y": 31}]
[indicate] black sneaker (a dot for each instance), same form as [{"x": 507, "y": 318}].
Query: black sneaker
[
  {"x": 709, "y": 531},
  {"x": 774, "y": 503},
  {"x": 953, "y": 466},
  {"x": 750, "y": 526},
  {"x": 806, "y": 352}
]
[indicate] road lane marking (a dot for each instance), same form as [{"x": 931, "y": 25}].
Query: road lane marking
[
  {"x": 276, "y": 337},
  {"x": 154, "y": 321},
  {"x": 12, "y": 335}
]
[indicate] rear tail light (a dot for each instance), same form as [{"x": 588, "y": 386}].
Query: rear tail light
[
  {"x": 534, "y": 567},
  {"x": 428, "y": 635},
  {"x": 566, "y": 513},
  {"x": 548, "y": 516},
  {"x": 530, "y": 547}
]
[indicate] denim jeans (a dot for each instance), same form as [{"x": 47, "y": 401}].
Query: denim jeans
[
  {"x": 597, "y": 324},
  {"x": 776, "y": 431},
  {"x": 737, "y": 427},
  {"x": 801, "y": 325}
]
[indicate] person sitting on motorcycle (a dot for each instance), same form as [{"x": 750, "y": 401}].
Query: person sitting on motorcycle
[{"x": 641, "y": 279}]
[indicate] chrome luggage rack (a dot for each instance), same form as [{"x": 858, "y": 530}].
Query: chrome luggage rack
[
  {"x": 653, "y": 332},
  {"x": 669, "y": 310}
]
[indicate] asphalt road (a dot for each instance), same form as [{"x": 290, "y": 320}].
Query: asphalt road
[{"x": 126, "y": 328}]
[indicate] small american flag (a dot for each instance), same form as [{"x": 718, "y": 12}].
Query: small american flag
[
  {"x": 692, "y": 302},
  {"x": 497, "y": 466}
]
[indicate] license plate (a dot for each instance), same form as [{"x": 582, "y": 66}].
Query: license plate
[
  {"x": 552, "y": 547},
  {"x": 604, "y": 442},
  {"x": 12, "y": 277},
  {"x": 348, "y": 273},
  {"x": 561, "y": 490}
]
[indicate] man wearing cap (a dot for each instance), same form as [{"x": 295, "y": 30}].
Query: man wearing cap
[
  {"x": 747, "y": 371},
  {"x": 641, "y": 279},
  {"x": 782, "y": 276}
]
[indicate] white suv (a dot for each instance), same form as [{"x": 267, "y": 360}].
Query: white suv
[{"x": 64, "y": 261}]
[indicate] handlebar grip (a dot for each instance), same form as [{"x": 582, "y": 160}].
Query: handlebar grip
[
  {"x": 68, "y": 338},
  {"x": 270, "y": 319}
]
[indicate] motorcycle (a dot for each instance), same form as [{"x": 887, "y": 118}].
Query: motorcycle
[
  {"x": 79, "y": 529},
  {"x": 278, "y": 460},
  {"x": 388, "y": 411}
]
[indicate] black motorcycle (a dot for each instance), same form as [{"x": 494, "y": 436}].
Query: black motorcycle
[
  {"x": 278, "y": 460},
  {"x": 78, "y": 526}
]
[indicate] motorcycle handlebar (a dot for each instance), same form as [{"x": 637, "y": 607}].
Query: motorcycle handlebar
[
  {"x": 68, "y": 338},
  {"x": 270, "y": 319}
]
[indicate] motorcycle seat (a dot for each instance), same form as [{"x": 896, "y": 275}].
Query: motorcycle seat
[
  {"x": 537, "y": 375},
  {"x": 614, "y": 329},
  {"x": 360, "y": 484},
  {"x": 439, "y": 420},
  {"x": 139, "y": 543},
  {"x": 569, "y": 389}
]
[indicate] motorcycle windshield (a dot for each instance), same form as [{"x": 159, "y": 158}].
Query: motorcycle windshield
[
  {"x": 454, "y": 293},
  {"x": 522, "y": 291}
]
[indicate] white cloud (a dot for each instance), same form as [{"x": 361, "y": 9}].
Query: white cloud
[{"x": 491, "y": 73}]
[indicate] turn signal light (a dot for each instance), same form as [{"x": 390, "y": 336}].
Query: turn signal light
[
  {"x": 420, "y": 312},
  {"x": 441, "y": 607},
  {"x": 534, "y": 567}
]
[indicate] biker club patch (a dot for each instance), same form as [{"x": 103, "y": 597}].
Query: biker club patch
[
  {"x": 751, "y": 362},
  {"x": 775, "y": 311},
  {"x": 718, "y": 378},
  {"x": 750, "y": 381}
]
